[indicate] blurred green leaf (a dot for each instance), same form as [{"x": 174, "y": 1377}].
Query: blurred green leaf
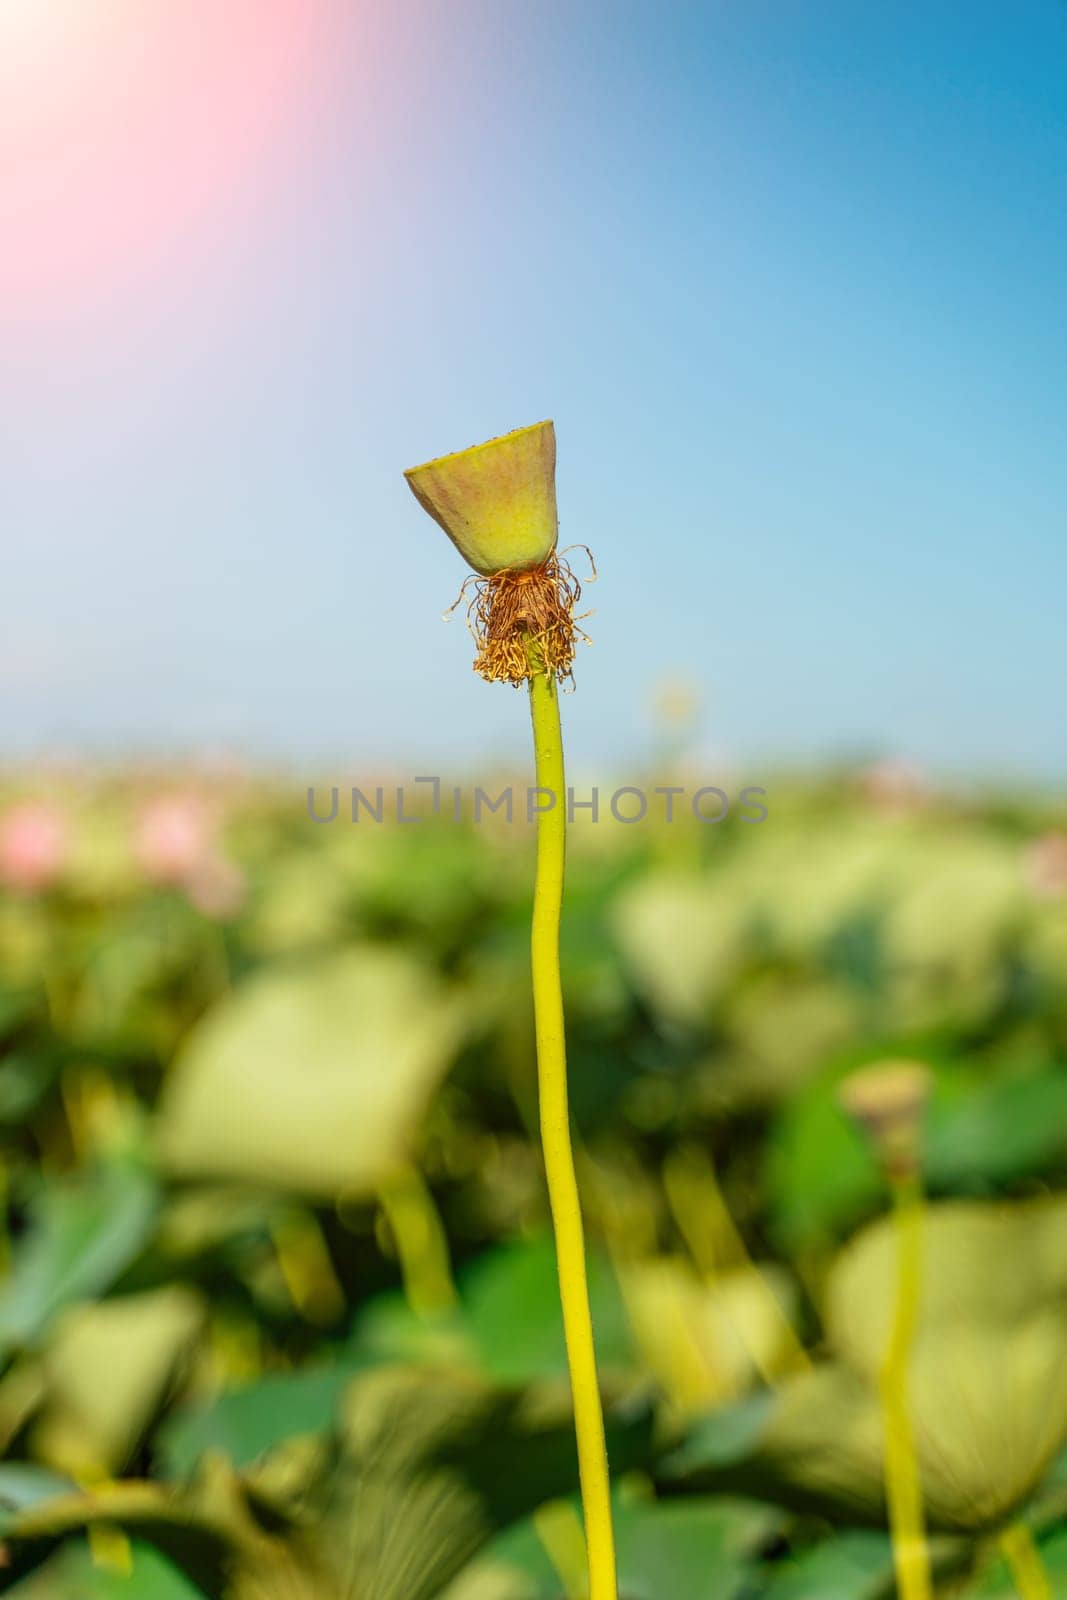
[
  {"x": 109, "y": 1367},
  {"x": 697, "y": 1548},
  {"x": 82, "y": 1235},
  {"x": 510, "y": 1306},
  {"x": 682, "y": 939},
  {"x": 23, "y": 1485},
  {"x": 244, "y": 1424},
  {"x": 313, "y": 1078},
  {"x": 998, "y": 1131},
  {"x": 779, "y": 1029},
  {"x": 814, "y": 1444},
  {"x": 856, "y": 1565},
  {"x": 819, "y": 1172},
  {"x": 73, "y": 1575},
  {"x": 24, "y": 1080},
  {"x": 945, "y": 929}
]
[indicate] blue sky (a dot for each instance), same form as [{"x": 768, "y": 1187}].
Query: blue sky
[{"x": 789, "y": 278}]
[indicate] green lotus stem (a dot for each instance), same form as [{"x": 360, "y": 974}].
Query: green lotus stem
[
  {"x": 109, "y": 1545},
  {"x": 1027, "y": 1568},
  {"x": 693, "y": 1193},
  {"x": 304, "y": 1263},
  {"x": 109, "y": 1549},
  {"x": 5, "y": 1220},
  {"x": 497, "y": 503},
  {"x": 903, "y": 1485},
  {"x": 556, "y": 1141},
  {"x": 421, "y": 1242},
  {"x": 559, "y": 1528}
]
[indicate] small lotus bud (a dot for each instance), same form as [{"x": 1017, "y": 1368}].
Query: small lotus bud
[{"x": 886, "y": 1101}]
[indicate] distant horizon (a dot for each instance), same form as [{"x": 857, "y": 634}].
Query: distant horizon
[{"x": 322, "y": 768}]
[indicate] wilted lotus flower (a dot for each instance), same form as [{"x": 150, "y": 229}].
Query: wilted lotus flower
[
  {"x": 886, "y": 1101},
  {"x": 1046, "y": 866},
  {"x": 34, "y": 841},
  {"x": 497, "y": 503},
  {"x": 175, "y": 835}
]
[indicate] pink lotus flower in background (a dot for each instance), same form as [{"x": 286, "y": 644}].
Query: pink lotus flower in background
[
  {"x": 174, "y": 836},
  {"x": 176, "y": 842},
  {"x": 1045, "y": 865},
  {"x": 217, "y": 888},
  {"x": 34, "y": 841},
  {"x": 896, "y": 785}
]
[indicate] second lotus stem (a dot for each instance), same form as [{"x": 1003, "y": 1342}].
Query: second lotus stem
[
  {"x": 1024, "y": 1561},
  {"x": 903, "y": 1485}
]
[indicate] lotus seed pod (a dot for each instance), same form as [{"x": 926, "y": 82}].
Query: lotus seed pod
[
  {"x": 496, "y": 501},
  {"x": 886, "y": 1101}
]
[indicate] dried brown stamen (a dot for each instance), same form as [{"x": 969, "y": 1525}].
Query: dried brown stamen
[{"x": 523, "y": 621}]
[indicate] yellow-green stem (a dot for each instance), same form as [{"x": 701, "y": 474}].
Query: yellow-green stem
[
  {"x": 559, "y": 1528},
  {"x": 109, "y": 1546},
  {"x": 5, "y": 1234},
  {"x": 903, "y": 1485},
  {"x": 556, "y": 1139},
  {"x": 1027, "y": 1568},
  {"x": 707, "y": 1225},
  {"x": 304, "y": 1263},
  {"x": 421, "y": 1241}
]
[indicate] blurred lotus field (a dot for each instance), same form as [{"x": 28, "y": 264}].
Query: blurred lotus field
[{"x": 278, "y": 1310}]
